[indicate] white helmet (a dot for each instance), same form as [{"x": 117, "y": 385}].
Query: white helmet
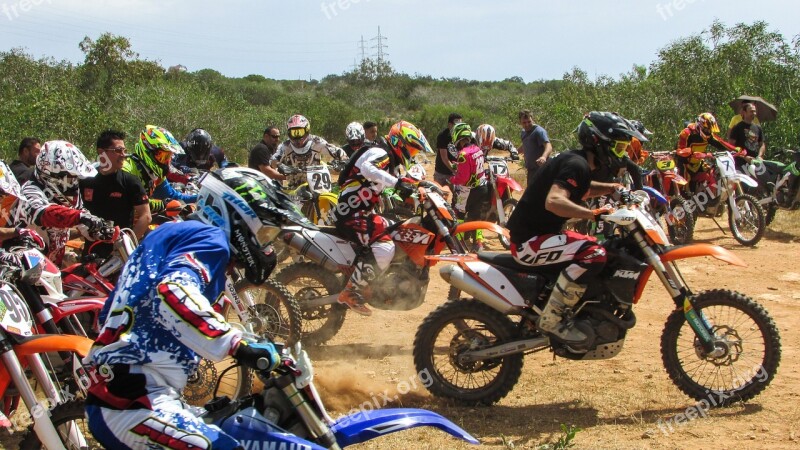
[
  {"x": 10, "y": 198},
  {"x": 59, "y": 166},
  {"x": 485, "y": 135},
  {"x": 250, "y": 208},
  {"x": 355, "y": 132}
]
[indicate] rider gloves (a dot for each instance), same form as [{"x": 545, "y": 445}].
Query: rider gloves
[
  {"x": 605, "y": 209},
  {"x": 257, "y": 355},
  {"x": 29, "y": 238},
  {"x": 97, "y": 228},
  {"x": 404, "y": 187}
]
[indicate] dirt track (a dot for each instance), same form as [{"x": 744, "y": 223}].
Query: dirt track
[{"x": 617, "y": 403}]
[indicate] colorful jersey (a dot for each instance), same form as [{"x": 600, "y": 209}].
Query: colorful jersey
[
  {"x": 163, "y": 314},
  {"x": 368, "y": 177},
  {"x": 469, "y": 171},
  {"x": 308, "y": 155},
  {"x": 51, "y": 216},
  {"x": 690, "y": 138}
]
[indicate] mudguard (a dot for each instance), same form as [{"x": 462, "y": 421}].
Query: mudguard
[
  {"x": 253, "y": 430},
  {"x": 504, "y": 183},
  {"x": 44, "y": 343},
  {"x": 653, "y": 193},
  {"x": 742, "y": 178},
  {"x": 365, "y": 425},
  {"x": 688, "y": 251},
  {"x": 481, "y": 225}
]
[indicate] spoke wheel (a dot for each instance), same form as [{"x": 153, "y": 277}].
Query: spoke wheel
[
  {"x": 749, "y": 228},
  {"x": 307, "y": 281},
  {"x": 748, "y": 349},
  {"x": 68, "y": 418}
]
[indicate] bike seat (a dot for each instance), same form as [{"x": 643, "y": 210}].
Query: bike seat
[
  {"x": 507, "y": 261},
  {"x": 333, "y": 231}
]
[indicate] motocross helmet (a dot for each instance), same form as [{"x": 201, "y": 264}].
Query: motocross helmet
[
  {"x": 639, "y": 126},
  {"x": 485, "y": 135},
  {"x": 198, "y": 145},
  {"x": 355, "y": 135},
  {"x": 461, "y": 130},
  {"x": 298, "y": 128},
  {"x": 607, "y": 135},
  {"x": 59, "y": 166},
  {"x": 10, "y": 198},
  {"x": 406, "y": 141},
  {"x": 250, "y": 208},
  {"x": 707, "y": 125},
  {"x": 155, "y": 149}
]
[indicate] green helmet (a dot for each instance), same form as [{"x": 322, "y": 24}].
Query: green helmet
[
  {"x": 155, "y": 149},
  {"x": 461, "y": 130}
]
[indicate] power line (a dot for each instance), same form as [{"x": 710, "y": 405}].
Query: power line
[{"x": 362, "y": 46}]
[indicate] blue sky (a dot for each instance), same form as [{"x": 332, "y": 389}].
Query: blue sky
[{"x": 473, "y": 39}]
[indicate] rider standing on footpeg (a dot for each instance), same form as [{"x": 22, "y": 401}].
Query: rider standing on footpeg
[
  {"x": 367, "y": 173},
  {"x": 553, "y": 195}
]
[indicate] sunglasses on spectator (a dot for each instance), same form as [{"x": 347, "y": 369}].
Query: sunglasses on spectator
[{"x": 117, "y": 150}]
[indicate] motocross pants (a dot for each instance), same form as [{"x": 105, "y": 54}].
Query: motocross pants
[
  {"x": 372, "y": 259},
  {"x": 131, "y": 412},
  {"x": 581, "y": 255}
]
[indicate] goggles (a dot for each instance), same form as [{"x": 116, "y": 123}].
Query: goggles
[
  {"x": 163, "y": 156},
  {"x": 297, "y": 133},
  {"x": 620, "y": 148}
]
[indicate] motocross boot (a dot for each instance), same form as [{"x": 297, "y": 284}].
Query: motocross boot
[
  {"x": 353, "y": 293},
  {"x": 566, "y": 293}
]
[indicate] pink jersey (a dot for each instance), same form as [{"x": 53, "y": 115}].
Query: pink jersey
[{"x": 469, "y": 171}]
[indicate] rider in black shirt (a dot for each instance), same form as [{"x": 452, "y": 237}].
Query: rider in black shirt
[{"x": 554, "y": 194}]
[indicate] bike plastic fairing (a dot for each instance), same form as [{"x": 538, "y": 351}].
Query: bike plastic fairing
[
  {"x": 688, "y": 251},
  {"x": 365, "y": 425}
]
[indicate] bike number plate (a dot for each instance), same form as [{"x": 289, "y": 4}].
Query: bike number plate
[
  {"x": 14, "y": 314},
  {"x": 726, "y": 165},
  {"x": 319, "y": 180},
  {"x": 665, "y": 165},
  {"x": 499, "y": 168}
]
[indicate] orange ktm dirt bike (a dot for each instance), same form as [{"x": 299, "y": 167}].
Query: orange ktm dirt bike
[
  {"x": 718, "y": 346},
  {"x": 59, "y": 420},
  {"x": 316, "y": 284}
]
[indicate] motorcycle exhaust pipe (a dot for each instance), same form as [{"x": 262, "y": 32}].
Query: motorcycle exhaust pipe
[
  {"x": 455, "y": 276},
  {"x": 305, "y": 247}
]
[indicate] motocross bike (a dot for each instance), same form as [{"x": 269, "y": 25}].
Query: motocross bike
[
  {"x": 402, "y": 287},
  {"x": 746, "y": 217},
  {"x": 392, "y": 206},
  {"x": 502, "y": 201},
  {"x": 57, "y": 422},
  {"x": 778, "y": 184},
  {"x": 95, "y": 275},
  {"x": 666, "y": 179},
  {"x": 714, "y": 341},
  {"x": 289, "y": 414}
]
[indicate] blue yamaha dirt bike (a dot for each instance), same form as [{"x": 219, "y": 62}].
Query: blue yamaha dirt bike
[{"x": 288, "y": 413}]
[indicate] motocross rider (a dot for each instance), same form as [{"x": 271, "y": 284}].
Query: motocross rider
[
  {"x": 356, "y": 138},
  {"x": 164, "y": 315},
  {"x": 486, "y": 138},
  {"x": 300, "y": 150},
  {"x": 150, "y": 162},
  {"x": 53, "y": 202},
  {"x": 694, "y": 139},
  {"x": 199, "y": 153},
  {"x": 469, "y": 180},
  {"x": 554, "y": 195},
  {"x": 368, "y": 172}
]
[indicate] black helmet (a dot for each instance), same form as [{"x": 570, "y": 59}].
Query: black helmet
[
  {"x": 607, "y": 135},
  {"x": 198, "y": 145},
  {"x": 250, "y": 208}
]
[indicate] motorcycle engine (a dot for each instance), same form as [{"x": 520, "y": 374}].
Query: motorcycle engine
[{"x": 401, "y": 288}]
